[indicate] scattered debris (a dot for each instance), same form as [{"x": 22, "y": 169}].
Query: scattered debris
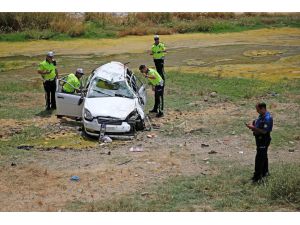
[
  {"x": 241, "y": 152},
  {"x": 274, "y": 94},
  {"x": 212, "y": 152},
  {"x": 219, "y": 141},
  {"x": 145, "y": 194},
  {"x": 233, "y": 133},
  {"x": 123, "y": 163},
  {"x": 108, "y": 153},
  {"x": 138, "y": 148},
  {"x": 199, "y": 130},
  {"x": 13, "y": 164},
  {"x": 291, "y": 150},
  {"x": 151, "y": 135},
  {"x": 105, "y": 139},
  {"x": 155, "y": 126},
  {"x": 75, "y": 178},
  {"x": 25, "y": 147},
  {"x": 206, "y": 159},
  {"x": 204, "y": 145},
  {"x": 205, "y": 98},
  {"x": 291, "y": 142},
  {"x": 213, "y": 94}
]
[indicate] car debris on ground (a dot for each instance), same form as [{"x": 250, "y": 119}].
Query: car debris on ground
[
  {"x": 138, "y": 148},
  {"x": 75, "y": 178},
  {"x": 25, "y": 147},
  {"x": 151, "y": 136},
  {"x": 212, "y": 152}
]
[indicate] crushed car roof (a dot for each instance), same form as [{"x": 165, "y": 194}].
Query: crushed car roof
[{"x": 113, "y": 71}]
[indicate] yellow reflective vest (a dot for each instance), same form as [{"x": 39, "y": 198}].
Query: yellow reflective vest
[
  {"x": 46, "y": 66},
  {"x": 157, "y": 81},
  {"x": 71, "y": 80},
  {"x": 157, "y": 51}
]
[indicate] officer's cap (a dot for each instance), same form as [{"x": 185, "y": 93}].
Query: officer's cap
[
  {"x": 50, "y": 54},
  {"x": 80, "y": 71}
]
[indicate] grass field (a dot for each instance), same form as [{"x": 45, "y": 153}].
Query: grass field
[{"x": 173, "y": 173}]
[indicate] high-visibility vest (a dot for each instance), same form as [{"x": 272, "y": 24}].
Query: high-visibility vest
[
  {"x": 71, "y": 80},
  {"x": 158, "y": 80},
  {"x": 158, "y": 48},
  {"x": 46, "y": 66}
]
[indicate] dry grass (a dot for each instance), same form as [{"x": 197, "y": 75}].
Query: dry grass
[{"x": 99, "y": 25}]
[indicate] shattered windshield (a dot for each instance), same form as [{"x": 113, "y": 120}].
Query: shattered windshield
[{"x": 104, "y": 88}]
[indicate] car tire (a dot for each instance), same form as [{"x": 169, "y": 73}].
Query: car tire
[{"x": 140, "y": 125}]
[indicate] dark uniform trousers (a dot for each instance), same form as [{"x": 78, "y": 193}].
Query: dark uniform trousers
[
  {"x": 50, "y": 88},
  {"x": 159, "y": 64},
  {"x": 159, "y": 98},
  {"x": 261, "y": 158}
]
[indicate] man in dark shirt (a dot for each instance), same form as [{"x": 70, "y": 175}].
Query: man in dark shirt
[{"x": 261, "y": 128}]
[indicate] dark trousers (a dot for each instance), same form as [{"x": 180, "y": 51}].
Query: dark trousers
[
  {"x": 159, "y": 98},
  {"x": 261, "y": 158},
  {"x": 50, "y": 88},
  {"x": 159, "y": 65}
]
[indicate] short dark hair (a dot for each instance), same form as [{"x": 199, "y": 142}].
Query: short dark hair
[
  {"x": 142, "y": 67},
  {"x": 261, "y": 105}
]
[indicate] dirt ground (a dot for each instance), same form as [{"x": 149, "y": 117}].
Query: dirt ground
[{"x": 186, "y": 141}]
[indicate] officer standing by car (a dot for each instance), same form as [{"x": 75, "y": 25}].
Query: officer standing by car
[
  {"x": 47, "y": 69},
  {"x": 261, "y": 128},
  {"x": 158, "y": 51},
  {"x": 73, "y": 82},
  {"x": 158, "y": 86}
]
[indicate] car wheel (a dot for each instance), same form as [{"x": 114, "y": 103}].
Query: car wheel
[{"x": 140, "y": 125}]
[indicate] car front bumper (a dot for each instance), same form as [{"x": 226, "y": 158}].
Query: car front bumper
[{"x": 93, "y": 127}]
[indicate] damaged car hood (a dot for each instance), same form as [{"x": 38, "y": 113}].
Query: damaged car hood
[{"x": 117, "y": 107}]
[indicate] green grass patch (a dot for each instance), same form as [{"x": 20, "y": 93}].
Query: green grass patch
[
  {"x": 229, "y": 191},
  {"x": 9, "y": 147},
  {"x": 194, "y": 86}
]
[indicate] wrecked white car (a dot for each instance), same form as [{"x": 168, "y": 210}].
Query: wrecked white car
[{"x": 111, "y": 102}]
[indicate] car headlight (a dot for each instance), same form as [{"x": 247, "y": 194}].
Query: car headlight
[
  {"x": 88, "y": 115},
  {"x": 132, "y": 116}
]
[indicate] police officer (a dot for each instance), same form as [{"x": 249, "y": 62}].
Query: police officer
[
  {"x": 47, "y": 69},
  {"x": 158, "y": 86},
  {"x": 261, "y": 128},
  {"x": 73, "y": 82},
  {"x": 158, "y": 51}
]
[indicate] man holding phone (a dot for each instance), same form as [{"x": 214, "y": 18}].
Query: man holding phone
[
  {"x": 47, "y": 69},
  {"x": 262, "y": 128}
]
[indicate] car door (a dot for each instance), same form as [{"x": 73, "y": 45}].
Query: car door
[
  {"x": 68, "y": 104},
  {"x": 142, "y": 95}
]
